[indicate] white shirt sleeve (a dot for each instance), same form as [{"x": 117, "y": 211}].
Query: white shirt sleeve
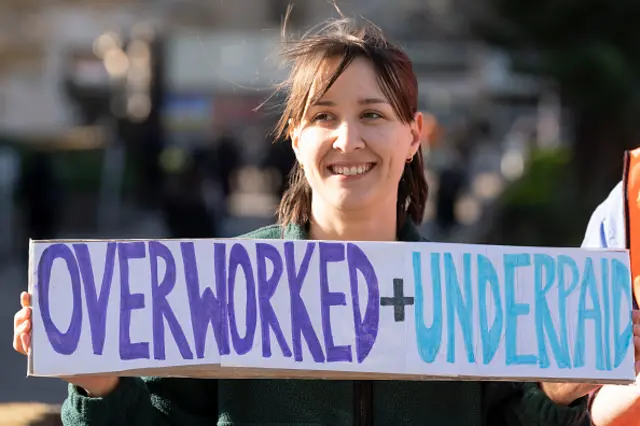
[{"x": 606, "y": 228}]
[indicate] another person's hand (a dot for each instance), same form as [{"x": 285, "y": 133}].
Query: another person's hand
[
  {"x": 620, "y": 405},
  {"x": 566, "y": 393},
  {"x": 93, "y": 385}
]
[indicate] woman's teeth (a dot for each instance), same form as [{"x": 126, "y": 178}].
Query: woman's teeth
[{"x": 351, "y": 171}]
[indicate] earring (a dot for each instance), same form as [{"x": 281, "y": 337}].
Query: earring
[{"x": 410, "y": 160}]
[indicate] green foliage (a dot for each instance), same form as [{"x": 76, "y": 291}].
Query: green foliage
[
  {"x": 545, "y": 169},
  {"x": 594, "y": 76},
  {"x": 536, "y": 209},
  {"x": 589, "y": 47},
  {"x": 79, "y": 171},
  {"x": 551, "y": 24}
]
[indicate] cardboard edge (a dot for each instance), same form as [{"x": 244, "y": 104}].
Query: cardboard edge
[
  {"x": 30, "y": 290},
  {"x": 232, "y": 239},
  {"x": 216, "y": 371}
]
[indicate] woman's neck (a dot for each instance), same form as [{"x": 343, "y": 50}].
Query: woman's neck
[{"x": 331, "y": 224}]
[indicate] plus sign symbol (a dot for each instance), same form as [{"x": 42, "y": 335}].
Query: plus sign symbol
[{"x": 398, "y": 301}]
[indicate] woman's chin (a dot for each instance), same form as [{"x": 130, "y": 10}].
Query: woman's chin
[{"x": 351, "y": 201}]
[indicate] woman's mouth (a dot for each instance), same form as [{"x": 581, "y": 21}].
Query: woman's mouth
[{"x": 351, "y": 169}]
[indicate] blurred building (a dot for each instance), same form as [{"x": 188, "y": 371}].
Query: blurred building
[
  {"x": 223, "y": 45},
  {"x": 178, "y": 73}
]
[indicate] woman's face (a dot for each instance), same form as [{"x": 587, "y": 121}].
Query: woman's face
[{"x": 351, "y": 143}]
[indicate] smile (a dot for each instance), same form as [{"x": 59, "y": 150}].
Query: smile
[{"x": 351, "y": 170}]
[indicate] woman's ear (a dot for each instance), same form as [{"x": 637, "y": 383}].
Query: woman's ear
[
  {"x": 416, "y": 134},
  {"x": 295, "y": 142}
]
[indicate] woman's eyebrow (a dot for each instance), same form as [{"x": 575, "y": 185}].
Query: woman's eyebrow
[
  {"x": 370, "y": 101},
  {"x": 365, "y": 101}
]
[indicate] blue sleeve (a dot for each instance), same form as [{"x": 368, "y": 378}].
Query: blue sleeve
[{"x": 606, "y": 227}]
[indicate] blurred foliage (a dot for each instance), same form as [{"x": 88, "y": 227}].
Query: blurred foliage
[
  {"x": 536, "y": 210},
  {"x": 536, "y": 186},
  {"x": 590, "y": 49},
  {"x": 81, "y": 171},
  {"x": 78, "y": 171}
]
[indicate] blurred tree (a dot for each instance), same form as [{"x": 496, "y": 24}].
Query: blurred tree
[
  {"x": 534, "y": 210},
  {"x": 590, "y": 48}
]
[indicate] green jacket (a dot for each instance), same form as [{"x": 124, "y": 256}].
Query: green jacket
[{"x": 158, "y": 401}]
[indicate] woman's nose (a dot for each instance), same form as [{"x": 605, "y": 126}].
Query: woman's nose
[{"x": 348, "y": 138}]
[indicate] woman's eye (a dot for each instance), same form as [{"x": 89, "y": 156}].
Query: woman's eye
[
  {"x": 371, "y": 115},
  {"x": 322, "y": 117}
]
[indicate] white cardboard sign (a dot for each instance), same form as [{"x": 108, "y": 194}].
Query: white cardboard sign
[{"x": 320, "y": 309}]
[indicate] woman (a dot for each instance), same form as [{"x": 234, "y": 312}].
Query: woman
[{"x": 352, "y": 117}]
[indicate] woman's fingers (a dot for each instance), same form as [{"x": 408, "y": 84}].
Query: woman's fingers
[
  {"x": 22, "y": 330},
  {"x": 25, "y": 300},
  {"x": 20, "y": 318},
  {"x": 25, "y": 339}
]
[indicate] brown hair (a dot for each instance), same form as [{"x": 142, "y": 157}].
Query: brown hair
[{"x": 346, "y": 41}]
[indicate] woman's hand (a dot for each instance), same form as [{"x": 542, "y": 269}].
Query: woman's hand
[{"x": 95, "y": 386}]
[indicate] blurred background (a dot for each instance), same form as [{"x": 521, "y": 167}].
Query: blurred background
[{"x": 136, "y": 119}]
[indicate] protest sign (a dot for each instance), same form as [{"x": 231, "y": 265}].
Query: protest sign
[{"x": 336, "y": 310}]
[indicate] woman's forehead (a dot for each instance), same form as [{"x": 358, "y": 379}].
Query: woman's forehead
[{"x": 358, "y": 71}]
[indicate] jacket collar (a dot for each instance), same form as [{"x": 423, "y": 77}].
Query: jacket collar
[{"x": 408, "y": 233}]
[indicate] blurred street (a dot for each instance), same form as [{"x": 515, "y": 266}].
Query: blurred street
[{"x": 14, "y": 366}]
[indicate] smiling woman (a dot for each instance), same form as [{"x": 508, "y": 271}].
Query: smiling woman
[
  {"x": 352, "y": 115},
  {"x": 354, "y": 150},
  {"x": 352, "y": 118}
]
